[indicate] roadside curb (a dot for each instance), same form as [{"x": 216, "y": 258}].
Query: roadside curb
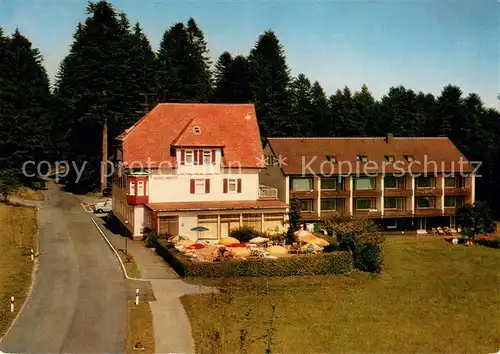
[
  {"x": 33, "y": 277},
  {"x": 116, "y": 253}
]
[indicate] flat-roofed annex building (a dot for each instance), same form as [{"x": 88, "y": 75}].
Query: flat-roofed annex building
[{"x": 402, "y": 183}]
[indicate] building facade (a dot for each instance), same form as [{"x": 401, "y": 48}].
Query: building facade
[
  {"x": 190, "y": 165},
  {"x": 401, "y": 183}
]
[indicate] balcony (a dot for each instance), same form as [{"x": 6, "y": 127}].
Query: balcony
[
  {"x": 266, "y": 192},
  {"x": 366, "y": 193},
  {"x": 420, "y": 192},
  {"x": 397, "y": 192},
  {"x": 372, "y": 213},
  {"x": 311, "y": 194},
  {"x": 332, "y": 193},
  {"x": 308, "y": 215},
  {"x": 428, "y": 212},
  {"x": 397, "y": 213},
  {"x": 450, "y": 211},
  {"x": 457, "y": 191}
]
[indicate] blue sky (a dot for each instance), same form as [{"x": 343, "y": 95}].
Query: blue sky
[{"x": 423, "y": 45}]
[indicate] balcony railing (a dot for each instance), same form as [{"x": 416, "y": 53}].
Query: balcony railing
[{"x": 266, "y": 192}]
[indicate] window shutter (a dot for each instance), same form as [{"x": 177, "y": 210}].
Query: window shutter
[
  {"x": 225, "y": 185},
  {"x": 239, "y": 185},
  {"x": 200, "y": 158},
  {"x": 213, "y": 157},
  {"x": 195, "y": 153},
  {"x": 192, "y": 186},
  {"x": 183, "y": 157},
  {"x": 207, "y": 186}
]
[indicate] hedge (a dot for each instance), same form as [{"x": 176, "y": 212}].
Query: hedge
[{"x": 320, "y": 264}]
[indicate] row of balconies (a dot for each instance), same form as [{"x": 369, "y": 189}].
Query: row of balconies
[
  {"x": 378, "y": 192},
  {"x": 402, "y": 207}
]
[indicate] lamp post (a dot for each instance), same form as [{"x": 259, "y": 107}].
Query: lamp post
[{"x": 126, "y": 236}]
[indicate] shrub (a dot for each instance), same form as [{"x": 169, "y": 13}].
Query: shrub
[
  {"x": 369, "y": 258},
  {"x": 245, "y": 233},
  {"x": 152, "y": 240},
  {"x": 320, "y": 264}
]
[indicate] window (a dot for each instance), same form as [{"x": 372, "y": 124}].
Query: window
[
  {"x": 389, "y": 158},
  {"x": 199, "y": 186},
  {"x": 189, "y": 157},
  {"x": 395, "y": 203},
  {"x": 450, "y": 182},
  {"x": 305, "y": 204},
  {"x": 331, "y": 184},
  {"x": 391, "y": 182},
  {"x": 302, "y": 184},
  {"x": 425, "y": 202},
  {"x": 131, "y": 188},
  {"x": 140, "y": 188},
  {"x": 361, "y": 183},
  {"x": 409, "y": 158},
  {"x": 332, "y": 204},
  {"x": 425, "y": 181},
  {"x": 196, "y": 130},
  {"x": 362, "y": 158},
  {"x": 253, "y": 221},
  {"x": 207, "y": 157},
  {"x": 453, "y": 201},
  {"x": 232, "y": 185},
  {"x": 364, "y": 203}
]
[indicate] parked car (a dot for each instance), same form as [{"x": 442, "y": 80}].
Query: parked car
[{"x": 103, "y": 207}]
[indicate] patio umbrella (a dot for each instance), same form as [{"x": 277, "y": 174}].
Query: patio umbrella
[
  {"x": 185, "y": 243},
  {"x": 302, "y": 233},
  {"x": 259, "y": 240},
  {"x": 236, "y": 245},
  {"x": 228, "y": 240},
  {"x": 195, "y": 246},
  {"x": 178, "y": 238},
  {"x": 240, "y": 252},
  {"x": 277, "y": 250},
  {"x": 307, "y": 238},
  {"x": 311, "y": 247},
  {"x": 320, "y": 242},
  {"x": 199, "y": 229}
]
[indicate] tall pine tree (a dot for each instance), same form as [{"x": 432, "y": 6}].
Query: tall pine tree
[{"x": 269, "y": 81}]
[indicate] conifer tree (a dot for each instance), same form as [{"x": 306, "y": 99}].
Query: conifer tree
[{"x": 269, "y": 81}]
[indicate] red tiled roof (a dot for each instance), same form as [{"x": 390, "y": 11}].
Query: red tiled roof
[
  {"x": 231, "y": 126},
  {"x": 226, "y": 205},
  {"x": 298, "y": 153}
]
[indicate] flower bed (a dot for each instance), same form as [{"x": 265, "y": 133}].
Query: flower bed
[{"x": 320, "y": 264}]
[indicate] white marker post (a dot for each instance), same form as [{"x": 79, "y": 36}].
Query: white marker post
[
  {"x": 32, "y": 255},
  {"x": 12, "y": 304},
  {"x": 137, "y": 296}
]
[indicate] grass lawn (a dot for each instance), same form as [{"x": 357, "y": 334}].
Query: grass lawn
[
  {"x": 431, "y": 297},
  {"x": 140, "y": 328},
  {"x": 130, "y": 266},
  {"x": 140, "y": 320},
  {"x": 18, "y": 225},
  {"x": 29, "y": 194}
]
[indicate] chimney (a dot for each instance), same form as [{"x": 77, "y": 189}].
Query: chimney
[{"x": 388, "y": 138}]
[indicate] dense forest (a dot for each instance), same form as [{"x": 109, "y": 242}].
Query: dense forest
[{"x": 112, "y": 76}]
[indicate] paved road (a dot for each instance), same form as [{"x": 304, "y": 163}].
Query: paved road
[{"x": 78, "y": 303}]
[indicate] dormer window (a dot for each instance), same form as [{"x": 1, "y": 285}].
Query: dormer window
[
  {"x": 362, "y": 158},
  {"x": 390, "y": 158},
  {"x": 196, "y": 130},
  {"x": 409, "y": 158},
  {"x": 331, "y": 158}
]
